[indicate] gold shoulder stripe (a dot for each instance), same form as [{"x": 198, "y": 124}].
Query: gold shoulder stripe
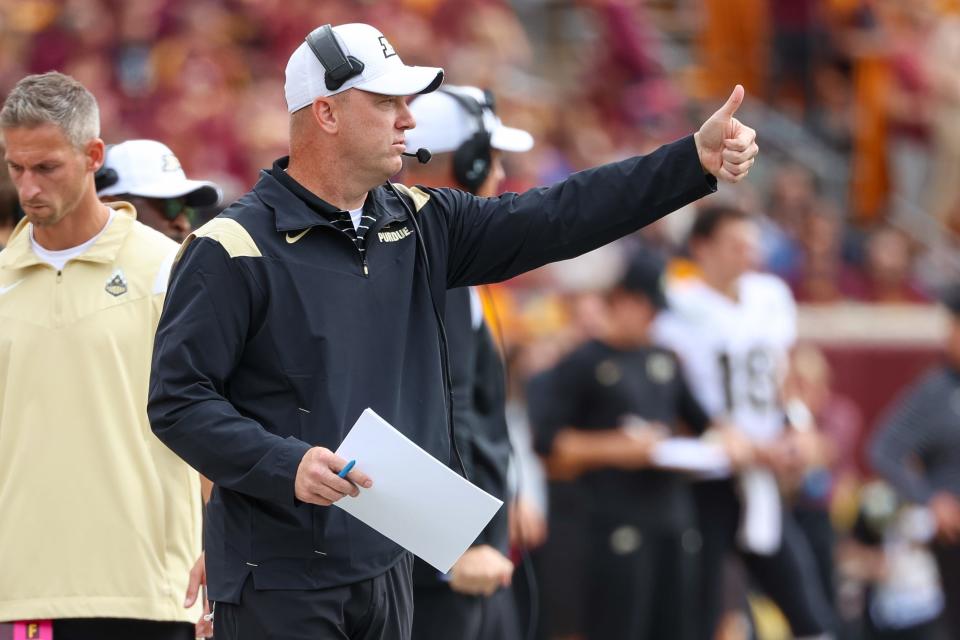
[
  {"x": 230, "y": 234},
  {"x": 419, "y": 197}
]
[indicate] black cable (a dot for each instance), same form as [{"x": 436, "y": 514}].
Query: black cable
[
  {"x": 441, "y": 332},
  {"x": 526, "y": 562},
  {"x": 533, "y": 590}
]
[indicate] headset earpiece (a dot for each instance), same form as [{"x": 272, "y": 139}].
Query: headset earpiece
[
  {"x": 473, "y": 159},
  {"x": 338, "y": 67},
  {"x": 105, "y": 176}
]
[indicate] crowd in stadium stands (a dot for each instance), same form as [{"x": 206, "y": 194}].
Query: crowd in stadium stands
[
  {"x": 874, "y": 84},
  {"x": 874, "y": 81}
]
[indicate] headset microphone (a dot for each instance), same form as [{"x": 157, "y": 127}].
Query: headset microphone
[{"x": 422, "y": 155}]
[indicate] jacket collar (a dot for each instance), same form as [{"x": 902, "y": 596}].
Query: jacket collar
[
  {"x": 294, "y": 214},
  {"x": 19, "y": 252}
]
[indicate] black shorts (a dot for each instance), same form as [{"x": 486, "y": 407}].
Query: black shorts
[{"x": 120, "y": 629}]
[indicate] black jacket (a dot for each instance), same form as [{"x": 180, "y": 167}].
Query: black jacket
[
  {"x": 276, "y": 335},
  {"x": 479, "y": 418}
]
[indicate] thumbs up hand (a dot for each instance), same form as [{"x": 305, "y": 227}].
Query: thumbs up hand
[{"x": 727, "y": 148}]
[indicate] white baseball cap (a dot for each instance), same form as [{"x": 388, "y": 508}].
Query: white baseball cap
[
  {"x": 383, "y": 71},
  {"x": 149, "y": 169},
  {"x": 443, "y": 123}
]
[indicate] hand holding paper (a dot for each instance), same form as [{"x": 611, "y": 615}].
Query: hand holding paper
[
  {"x": 417, "y": 501},
  {"x": 319, "y": 482}
]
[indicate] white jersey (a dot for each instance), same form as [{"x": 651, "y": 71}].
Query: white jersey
[{"x": 735, "y": 352}]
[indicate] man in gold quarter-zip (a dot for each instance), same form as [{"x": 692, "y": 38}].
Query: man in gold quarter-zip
[{"x": 99, "y": 521}]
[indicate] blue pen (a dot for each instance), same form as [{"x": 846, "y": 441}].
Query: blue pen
[{"x": 343, "y": 472}]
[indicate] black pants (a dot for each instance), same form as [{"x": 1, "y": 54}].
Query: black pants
[
  {"x": 439, "y": 613},
  {"x": 120, "y": 629},
  {"x": 640, "y": 581},
  {"x": 818, "y": 530},
  {"x": 948, "y": 562},
  {"x": 924, "y": 631},
  {"x": 501, "y": 620},
  {"x": 442, "y": 614},
  {"x": 561, "y": 563},
  {"x": 789, "y": 576},
  {"x": 380, "y": 608}
]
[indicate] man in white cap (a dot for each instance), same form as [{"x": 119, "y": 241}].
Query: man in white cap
[
  {"x": 316, "y": 295},
  {"x": 148, "y": 175},
  {"x": 473, "y": 601}
]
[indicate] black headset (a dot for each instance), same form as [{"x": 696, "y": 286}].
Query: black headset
[
  {"x": 339, "y": 67},
  {"x": 472, "y": 160},
  {"x": 105, "y": 176}
]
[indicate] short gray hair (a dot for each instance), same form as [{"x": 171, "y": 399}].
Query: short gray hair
[{"x": 53, "y": 98}]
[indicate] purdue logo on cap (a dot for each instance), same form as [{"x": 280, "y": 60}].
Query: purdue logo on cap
[
  {"x": 170, "y": 163},
  {"x": 387, "y": 48}
]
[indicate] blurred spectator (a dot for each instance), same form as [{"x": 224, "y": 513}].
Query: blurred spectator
[
  {"x": 797, "y": 41},
  {"x": 939, "y": 265},
  {"x": 834, "y": 110},
  {"x": 917, "y": 449},
  {"x": 839, "y": 423},
  {"x": 943, "y": 67},
  {"x": 888, "y": 269},
  {"x": 908, "y": 105},
  {"x": 822, "y": 276},
  {"x": 733, "y": 44},
  {"x": 864, "y": 39},
  {"x": 887, "y": 554},
  {"x": 793, "y": 192}
]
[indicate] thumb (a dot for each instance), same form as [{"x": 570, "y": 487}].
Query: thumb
[
  {"x": 193, "y": 589},
  {"x": 733, "y": 103}
]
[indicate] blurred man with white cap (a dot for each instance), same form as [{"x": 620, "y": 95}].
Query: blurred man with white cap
[
  {"x": 316, "y": 296},
  {"x": 148, "y": 175},
  {"x": 460, "y": 127},
  {"x": 473, "y": 601}
]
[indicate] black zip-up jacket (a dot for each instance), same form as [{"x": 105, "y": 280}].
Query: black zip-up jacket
[
  {"x": 479, "y": 419},
  {"x": 276, "y": 335}
]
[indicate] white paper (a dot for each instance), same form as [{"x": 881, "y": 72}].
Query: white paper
[
  {"x": 691, "y": 454},
  {"x": 415, "y": 500}
]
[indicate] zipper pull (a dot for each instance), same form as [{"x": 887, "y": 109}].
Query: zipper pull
[{"x": 366, "y": 268}]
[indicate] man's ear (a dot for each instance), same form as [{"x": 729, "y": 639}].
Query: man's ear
[
  {"x": 95, "y": 151},
  {"x": 326, "y": 113}
]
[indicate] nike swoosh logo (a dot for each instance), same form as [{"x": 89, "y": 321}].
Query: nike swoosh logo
[
  {"x": 9, "y": 287},
  {"x": 291, "y": 239}
]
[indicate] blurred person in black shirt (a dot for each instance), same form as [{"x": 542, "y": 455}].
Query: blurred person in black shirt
[{"x": 611, "y": 401}]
